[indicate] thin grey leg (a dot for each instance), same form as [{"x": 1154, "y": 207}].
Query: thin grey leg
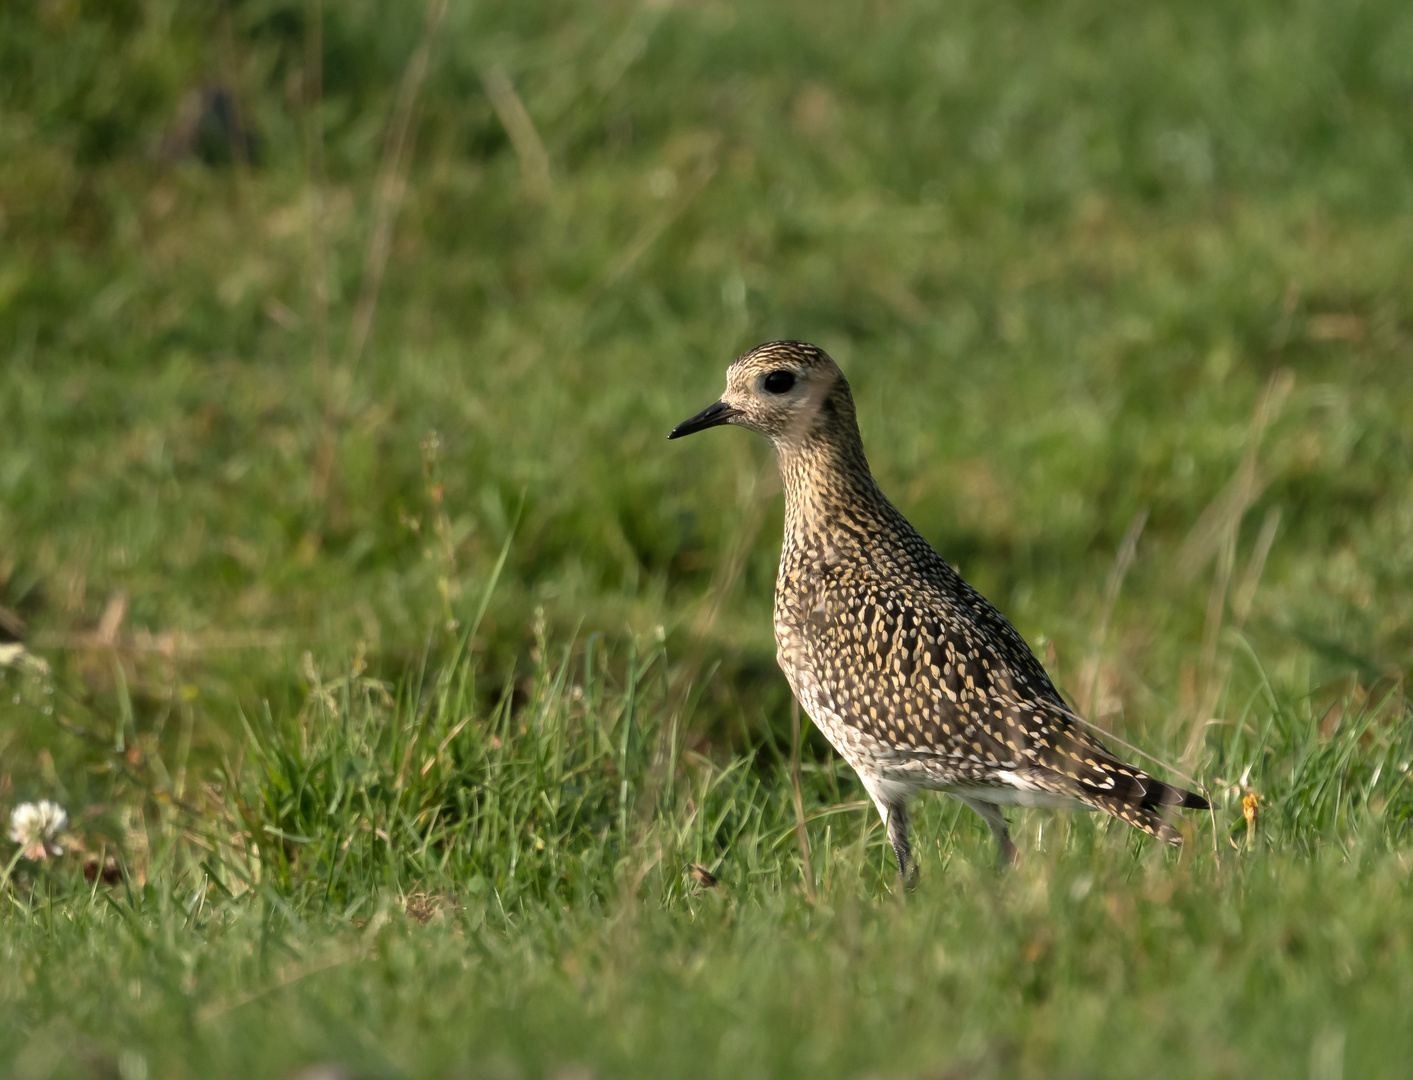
[
  {"x": 991, "y": 814},
  {"x": 892, "y": 804},
  {"x": 897, "y": 821}
]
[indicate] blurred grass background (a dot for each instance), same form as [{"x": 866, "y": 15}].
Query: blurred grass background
[{"x": 310, "y": 314}]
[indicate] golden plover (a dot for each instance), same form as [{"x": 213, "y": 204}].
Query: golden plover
[{"x": 910, "y": 673}]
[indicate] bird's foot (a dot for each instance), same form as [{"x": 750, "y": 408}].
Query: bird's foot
[
  {"x": 907, "y": 878},
  {"x": 1007, "y": 856}
]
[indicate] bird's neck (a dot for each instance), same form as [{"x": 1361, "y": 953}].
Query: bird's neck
[{"x": 830, "y": 492}]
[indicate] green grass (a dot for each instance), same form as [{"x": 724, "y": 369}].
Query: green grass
[{"x": 383, "y": 672}]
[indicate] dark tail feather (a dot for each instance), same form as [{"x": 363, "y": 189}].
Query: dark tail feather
[
  {"x": 1193, "y": 801},
  {"x": 1148, "y": 820},
  {"x": 1146, "y": 813},
  {"x": 1094, "y": 774},
  {"x": 1161, "y": 794}
]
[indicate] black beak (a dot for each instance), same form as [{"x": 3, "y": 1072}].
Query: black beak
[{"x": 711, "y": 416}]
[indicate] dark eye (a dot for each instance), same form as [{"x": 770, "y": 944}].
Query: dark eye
[{"x": 778, "y": 382}]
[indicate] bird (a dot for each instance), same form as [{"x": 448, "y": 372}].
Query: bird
[{"x": 913, "y": 676}]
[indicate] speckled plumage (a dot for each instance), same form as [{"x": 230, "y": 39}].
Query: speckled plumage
[{"x": 908, "y": 671}]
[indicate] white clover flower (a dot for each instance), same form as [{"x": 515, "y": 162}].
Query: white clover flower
[{"x": 35, "y": 825}]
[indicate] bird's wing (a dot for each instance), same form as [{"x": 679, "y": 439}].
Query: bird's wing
[{"x": 947, "y": 676}]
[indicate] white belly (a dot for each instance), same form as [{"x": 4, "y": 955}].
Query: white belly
[{"x": 1007, "y": 795}]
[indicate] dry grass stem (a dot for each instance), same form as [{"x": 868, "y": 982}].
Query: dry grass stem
[
  {"x": 1212, "y": 627},
  {"x": 651, "y": 230},
  {"x": 170, "y": 643},
  {"x": 1215, "y": 672},
  {"x": 515, "y": 118},
  {"x": 391, "y": 184},
  {"x": 1223, "y": 515},
  {"x": 1251, "y": 578},
  {"x": 1123, "y": 559},
  {"x": 1216, "y": 534},
  {"x": 313, "y": 78},
  {"x": 389, "y": 192}
]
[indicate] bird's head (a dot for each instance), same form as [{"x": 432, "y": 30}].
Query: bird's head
[{"x": 789, "y": 391}]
